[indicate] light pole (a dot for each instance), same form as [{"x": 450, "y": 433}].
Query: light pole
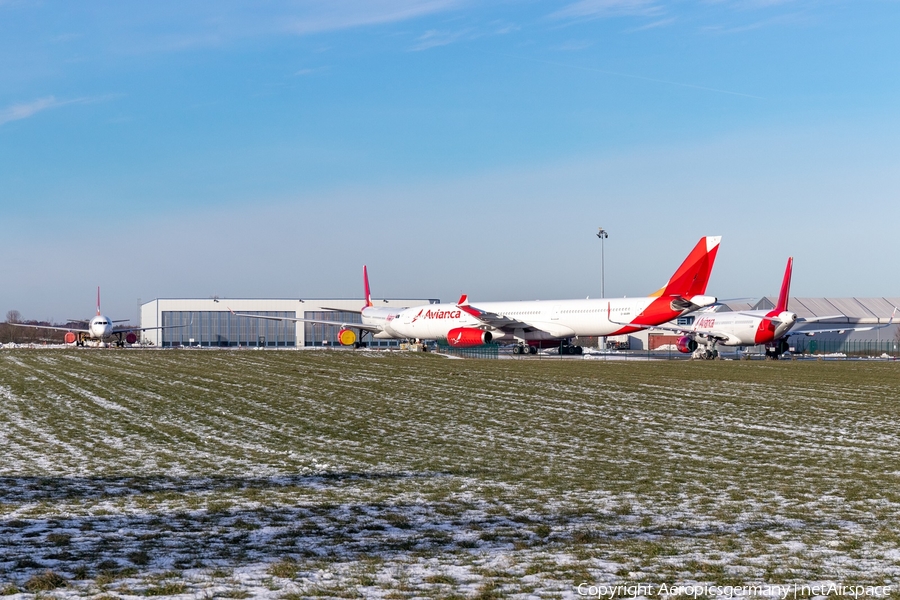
[{"x": 601, "y": 233}]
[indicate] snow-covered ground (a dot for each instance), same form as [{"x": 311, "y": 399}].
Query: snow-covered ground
[{"x": 341, "y": 474}]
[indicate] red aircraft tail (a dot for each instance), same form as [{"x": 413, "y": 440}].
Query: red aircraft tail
[
  {"x": 366, "y": 284},
  {"x": 692, "y": 276},
  {"x": 785, "y": 292}
]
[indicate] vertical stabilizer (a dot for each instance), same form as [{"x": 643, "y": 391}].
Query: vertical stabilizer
[
  {"x": 98, "y": 299},
  {"x": 692, "y": 276},
  {"x": 785, "y": 292},
  {"x": 366, "y": 284}
]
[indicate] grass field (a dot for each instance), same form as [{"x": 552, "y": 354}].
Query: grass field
[{"x": 240, "y": 474}]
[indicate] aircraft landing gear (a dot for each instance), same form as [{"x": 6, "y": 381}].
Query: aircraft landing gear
[
  {"x": 779, "y": 348},
  {"x": 567, "y": 348},
  {"x": 524, "y": 349}
]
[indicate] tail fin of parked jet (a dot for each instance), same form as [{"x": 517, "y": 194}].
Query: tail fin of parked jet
[
  {"x": 98, "y": 299},
  {"x": 366, "y": 284},
  {"x": 692, "y": 276},
  {"x": 785, "y": 292}
]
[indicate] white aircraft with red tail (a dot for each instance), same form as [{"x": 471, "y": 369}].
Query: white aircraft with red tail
[
  {"x": 705, "y": 330},
  {"x": 542, "y": 323},
  {"x": 100, "y": 331}
]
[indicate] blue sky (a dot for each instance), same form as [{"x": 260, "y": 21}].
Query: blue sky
[{"x": 270, "y": 149}]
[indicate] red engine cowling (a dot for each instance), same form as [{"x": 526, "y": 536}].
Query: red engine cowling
[
  {"x": 462, "y": 337},
  {"x": 70, "y": 338},
  {"x": 130, "y": 337},
  {"x": 686, "y": 344}
]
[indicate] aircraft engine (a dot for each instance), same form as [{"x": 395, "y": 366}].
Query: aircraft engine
[
  {"x": 130, "y": 337},
  {"x": 463, "y": 337},
  {"x": 686, "y": 344},
  {"x": 346, "y": 337},
  {"x": 70, "y": 338}
]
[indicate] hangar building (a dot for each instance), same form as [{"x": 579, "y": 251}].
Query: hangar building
[{"x": 208, "y": 322}]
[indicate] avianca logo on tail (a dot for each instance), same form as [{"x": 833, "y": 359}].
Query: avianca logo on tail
[{"x": 437, "y": 314}]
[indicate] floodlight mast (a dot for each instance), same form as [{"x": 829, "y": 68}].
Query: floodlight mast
[{"x": 602, "y": 234}]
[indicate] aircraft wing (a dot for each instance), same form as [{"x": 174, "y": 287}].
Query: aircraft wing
[
  {"x": 341, "y": 324},
  {"x": 84, "y": 330},
  {"x": 508, "y": 325},
  {"x": 492, "y": 319},
  {"x": 50, "y": 327},
  {"x": 839, "y": 327},
  {"x": 127, "y": 329},
  {"x": 712, "y": 335}
]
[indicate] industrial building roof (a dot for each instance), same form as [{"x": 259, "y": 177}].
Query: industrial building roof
[{"x": 844, "y": 310}]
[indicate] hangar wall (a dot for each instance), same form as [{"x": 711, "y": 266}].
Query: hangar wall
[{"x": 208, "y": 322}]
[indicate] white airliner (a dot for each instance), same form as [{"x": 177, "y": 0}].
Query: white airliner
[
  {"x": 99, "y": 332},
  {"x": 536, "y": 323},
  {"x": 706, "y": 330}
]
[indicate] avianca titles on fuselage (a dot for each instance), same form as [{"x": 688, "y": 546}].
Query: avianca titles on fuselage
[{"x": 463, "y": 324}]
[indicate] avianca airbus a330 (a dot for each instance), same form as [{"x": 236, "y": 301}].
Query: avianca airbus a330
[
  {"x": 770, "y": 328},
  {"x": 100, "y": 330},
  {"x": 544, "y": 322}
]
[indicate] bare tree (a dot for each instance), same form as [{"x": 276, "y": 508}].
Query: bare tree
[{"x": 10, "y": 333}]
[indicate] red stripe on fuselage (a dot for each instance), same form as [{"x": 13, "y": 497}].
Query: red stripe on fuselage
[{"x": 659, "y": 311}]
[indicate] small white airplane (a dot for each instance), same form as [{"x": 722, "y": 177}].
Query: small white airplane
[
  {"x": 534, "y": 324},
  {"x": 708, "y": 329},
  {"x": 99, "y": 332}
]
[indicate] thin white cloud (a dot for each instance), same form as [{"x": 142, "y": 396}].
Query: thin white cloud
[
  {"x": 218, "y": 24},
  {"x": 596, "y": 9},
  {"x": 309, "y": 71},
  {"x": 653, "y": 25},
  {"x": 505, "y": 29},
  {"x": 434, "y": 38},
  {"x": 17, "y": 112},
  {"x": 347, "y": 14}
]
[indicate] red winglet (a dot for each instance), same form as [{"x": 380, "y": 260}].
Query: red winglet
[{"x": 463, "y": 304}]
